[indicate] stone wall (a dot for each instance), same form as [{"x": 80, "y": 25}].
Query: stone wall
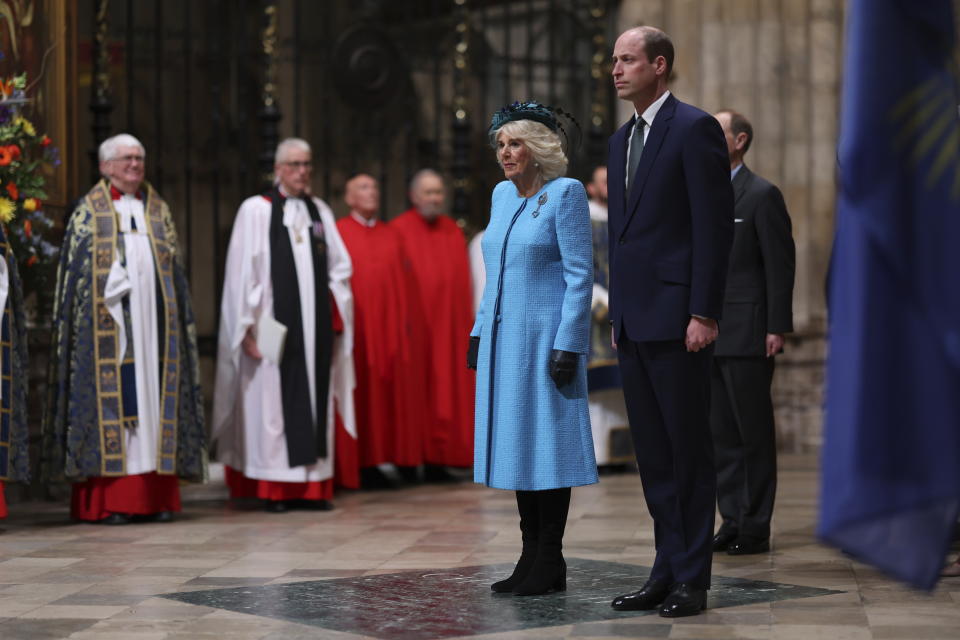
[{"x": 778, "y": 62}]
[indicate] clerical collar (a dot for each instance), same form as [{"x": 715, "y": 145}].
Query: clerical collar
[
  {"x": 372, "y": 222},
  {"x": 283, "y": 193},
  {"x": 116, "y": 194}
]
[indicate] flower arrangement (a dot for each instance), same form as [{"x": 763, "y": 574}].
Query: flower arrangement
[{"x": 22, "y": 151}]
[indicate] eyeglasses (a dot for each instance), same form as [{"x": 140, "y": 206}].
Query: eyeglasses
[
  {"x": 129, "y": 159},
  {"x": 297, "y": 164}
]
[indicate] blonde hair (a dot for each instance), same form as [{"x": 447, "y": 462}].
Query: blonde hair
[{"x": 544, "y": 146}]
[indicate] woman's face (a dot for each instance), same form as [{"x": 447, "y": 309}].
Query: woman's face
[{"x": 514, "y": 157}]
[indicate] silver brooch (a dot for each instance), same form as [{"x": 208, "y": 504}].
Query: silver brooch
[{"x": 542, "y": 201}]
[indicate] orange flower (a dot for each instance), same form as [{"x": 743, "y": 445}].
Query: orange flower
[
  {"x": 13, "y": 191},
  {"x": 28, "y": 228},
  {"x": 32, "y": 260},
  {"x": 6, "y": 87},
  {"x": 6, "y": 156},
  {"x": 14, "y": 151}
]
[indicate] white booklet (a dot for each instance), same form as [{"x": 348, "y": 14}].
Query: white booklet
[{"x": 271, "y": 336}]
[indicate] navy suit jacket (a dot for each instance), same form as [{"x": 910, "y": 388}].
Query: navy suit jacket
[{"x": 669, "y": 244}]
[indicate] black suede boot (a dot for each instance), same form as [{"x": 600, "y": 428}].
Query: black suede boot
[
  {"x": 549, "y": 571},
  {"x": 529, "y": 528}
]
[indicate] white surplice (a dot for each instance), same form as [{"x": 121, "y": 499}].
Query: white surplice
[
  {"x": 248, "y": 413},
  {"x": 134, "y": 278}
]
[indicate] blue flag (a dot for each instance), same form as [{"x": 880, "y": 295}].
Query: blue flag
[{"x": 890, "y": 493}]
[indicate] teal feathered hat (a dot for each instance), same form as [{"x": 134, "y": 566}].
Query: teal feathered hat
[{"x": 532, "y": 110}]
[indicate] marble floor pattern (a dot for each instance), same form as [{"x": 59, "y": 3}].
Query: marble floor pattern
[{"x": 416, "y": 562}]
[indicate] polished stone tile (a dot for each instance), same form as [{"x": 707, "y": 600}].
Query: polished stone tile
[
  {"x": 116, "y": 599},
  {"x": 12, "y": 609},
  {"x": 153, "y": 611},
  {"x": 620, "y": 630},
  {"x": 224, "y": 582},
  {"x": 38, "y": 593},
  {"x": 51, "y": 568},
  {"x": 25, "y": 629},
  {"x": 99, "y": 634},
  {"x": 456, "y": 602},
  {"x": 915, "y": 632},
  {"x": 323, "y": 573},
  {"x": 95, "y": 612}
]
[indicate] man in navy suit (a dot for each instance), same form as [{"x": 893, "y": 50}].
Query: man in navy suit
[{"x": 671, "y": 228}]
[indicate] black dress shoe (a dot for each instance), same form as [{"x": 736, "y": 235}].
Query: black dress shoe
[
  {"x": 438, "y": 473},
  {"x": 308, "y": 505},
  {"x": 275, "y": 506},
  {"x": 163, "y": 516},
  {"x": 409, "y": 475},
  {"x": 647, "y": 599},
  {"x": 721, "y": 541},
  {"x": 115, "y": 518},
  {"x": 373, "y": 478},
  {"x": 683, "y": 600},
  {"x": 744, "y": 546}
]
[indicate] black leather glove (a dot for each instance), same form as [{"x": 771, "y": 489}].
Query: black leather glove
[
  {"x": 472, "y": 352},
  {"x": 563, "y": 366}
]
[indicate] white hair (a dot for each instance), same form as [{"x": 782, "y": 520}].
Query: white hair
[
  {"x": 420, "y": 175},
  {"x": 110, "y": 147},
  {"x": 544, "y": 146},
  {"x": 288, "y": 145}
]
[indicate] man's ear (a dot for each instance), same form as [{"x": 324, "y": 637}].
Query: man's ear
[
  {"x": 741, "y": 141},
  {"x": 661, "y": 64}
]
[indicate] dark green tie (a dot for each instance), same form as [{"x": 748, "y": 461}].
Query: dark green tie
[{"x": 636, "y": 149}]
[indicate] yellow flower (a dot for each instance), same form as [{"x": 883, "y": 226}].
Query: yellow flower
[
  {"x": 31, "y": 204},
  {"x": 26, "y": 125},
  {"x": 7, "y": 209}
]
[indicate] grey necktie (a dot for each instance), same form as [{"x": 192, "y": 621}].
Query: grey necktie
[{"x": 636, "y": 149}]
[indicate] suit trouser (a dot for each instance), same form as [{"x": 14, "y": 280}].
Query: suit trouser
[
  {"x": 741, "y": 418},
  {"x": 667, "y": 392}
]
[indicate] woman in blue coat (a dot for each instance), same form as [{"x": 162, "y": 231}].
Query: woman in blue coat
[{"x": 530, "y": 340}]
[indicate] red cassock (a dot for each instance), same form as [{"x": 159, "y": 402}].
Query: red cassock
[
  {"x": 243, "y": 487},
  {"x": 438, "y": 253},
  {"x": 389, "y": 393},
  {"x": 141, "y": 494},
  {"x": 3, "y": 503}
]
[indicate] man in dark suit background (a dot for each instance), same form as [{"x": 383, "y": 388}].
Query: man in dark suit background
[
  {"x": 671, "y": 226},
  {"x": 757, "y": 311}
]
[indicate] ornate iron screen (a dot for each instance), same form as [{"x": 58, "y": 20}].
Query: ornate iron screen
[{"x": 380, "y": 87}]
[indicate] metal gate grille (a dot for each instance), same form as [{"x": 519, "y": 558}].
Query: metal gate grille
[{"x": 376, "y": 86}]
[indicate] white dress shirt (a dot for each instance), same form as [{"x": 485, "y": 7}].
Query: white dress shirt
[{"x": 648, "y": 116}]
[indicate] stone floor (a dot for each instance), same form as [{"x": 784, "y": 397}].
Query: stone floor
[{"x": 416, "y": 562}]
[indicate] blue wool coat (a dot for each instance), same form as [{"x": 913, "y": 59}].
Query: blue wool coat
[{"x": 538, "y": 256}]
